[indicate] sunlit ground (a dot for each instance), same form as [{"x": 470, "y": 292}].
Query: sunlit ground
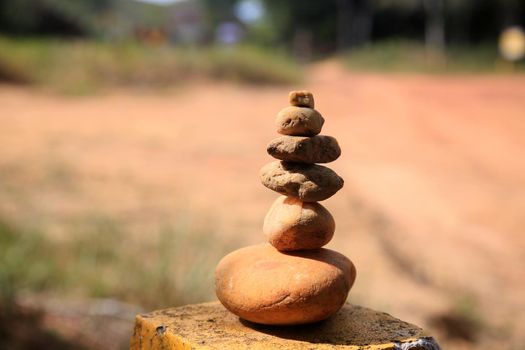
[{"x": 133, "y": 196}]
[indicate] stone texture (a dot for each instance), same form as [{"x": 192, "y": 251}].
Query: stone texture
[
  {"x": 308, "y": 182},
  {"x": 291, "y": 224},
  {"x": 299, "y": 121},
  {"x": 210, "y": 326},
  {"x": 301, "y": 99},
  {"x": 316, "y": 149},
  {"x": 262, "y": 285}
]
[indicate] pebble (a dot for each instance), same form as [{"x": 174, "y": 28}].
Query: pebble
[
  {"x": 316, "y": 149},
  {"x": 291, "y": 224},
  {"x": 301, "y": 99},
  {"x": 262, "y": 285},
  {"x": 299, "y": 121},
  {"x": 307, "y": 182}
]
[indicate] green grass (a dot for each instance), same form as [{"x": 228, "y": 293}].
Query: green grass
[
  {"x": 161, "y": 269},
  {"x": 85, "y": 66},
  {"x": 26, "y": 262},
  {"x": 406, "y": 56}
]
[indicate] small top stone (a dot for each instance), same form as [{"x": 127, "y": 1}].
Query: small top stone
[{"x": 301, "y": 99}]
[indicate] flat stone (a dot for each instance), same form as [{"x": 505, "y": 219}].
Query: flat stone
[
  {"x": 292, "y": 224},
  {"x": 301, "y": 99},
  {"x": 210, "y": 326},
  {"x": 308, "y": 182},
  {"x": 302, "y": 149},
  {"x": 262, "y": 285},
  {"x": 299, "y": 121}
]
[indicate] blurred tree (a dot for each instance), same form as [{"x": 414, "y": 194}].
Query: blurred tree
[
  {"x": 355, "y": 19},
  {"x": 308, "y": 28},
  {"x": 435, "y": 24},
  {"x": 217, "y": 12},
  {"x": 308, "y": 25},
  {"x": 52, "y": 17},
  {"x": 480, "y": 21},
  {"x": 220, "y": 10}
]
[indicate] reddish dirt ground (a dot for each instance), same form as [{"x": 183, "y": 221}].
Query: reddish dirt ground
[{"x": 433, "y": 208}]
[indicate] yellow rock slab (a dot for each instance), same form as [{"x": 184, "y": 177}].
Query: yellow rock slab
[{"x": 211, "y": 326}]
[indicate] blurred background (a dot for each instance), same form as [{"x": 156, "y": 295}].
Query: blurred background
[{"x": 132, "y": 134}]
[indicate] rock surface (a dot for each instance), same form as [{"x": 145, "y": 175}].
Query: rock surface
[
  {"x": 291, "y": 224},
  {"x": 308, "y": 182},
  {"x": 316, "y": 149},
  {"x": 210, "y": 326},
  {"x": 299, "y": 121},
  {"x": 302, "y": 99},
  {"x": 262, "y": 285}
]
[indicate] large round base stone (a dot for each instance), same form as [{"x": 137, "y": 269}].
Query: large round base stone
[{"x": 262, "y": 285}]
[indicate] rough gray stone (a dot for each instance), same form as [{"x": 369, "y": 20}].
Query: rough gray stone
[
  {"x": 316, "y": 149},
  {"x": 308, "y": 182}
]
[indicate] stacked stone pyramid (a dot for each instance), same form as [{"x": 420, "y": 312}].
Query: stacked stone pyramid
[{"x": 292, "y": 280}]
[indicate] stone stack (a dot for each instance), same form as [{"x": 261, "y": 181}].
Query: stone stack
[{"x": 292, "y": 280}]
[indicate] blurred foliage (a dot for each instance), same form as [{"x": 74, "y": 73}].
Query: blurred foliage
[
  {"x": 174, "y": 267},
  {"x": 126, "y": 42},
  {"x": 315, "y": 21},
  {"x": 412, "y": 56},
  {"x": 325, "y": 25},
  {"x": 26, "y": 262},
  {"x": 84, "y": 66},
  {"x": 63, "y": 17}
]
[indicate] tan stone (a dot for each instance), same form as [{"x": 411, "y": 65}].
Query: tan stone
[
  {"x": 262, "y": 285},
  {"x": 308, "y": 182},
  {"x": 299, "y": 121},
  {"x": 291, "y": 224},
  {"x": 316, "y": 149},
  {"x": 302, "y": 99},
  {"x": 210, "y": 326}
]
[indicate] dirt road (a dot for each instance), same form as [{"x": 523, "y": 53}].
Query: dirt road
[{"x": 432, "y": 211}]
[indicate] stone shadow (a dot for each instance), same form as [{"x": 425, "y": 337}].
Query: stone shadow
[{"x": 352, "y": 325}]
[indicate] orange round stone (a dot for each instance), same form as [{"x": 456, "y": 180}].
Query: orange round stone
[{"x": 262, "y": 285}]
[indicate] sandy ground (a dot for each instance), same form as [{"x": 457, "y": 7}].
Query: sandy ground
[{"x": 432, "y": 212}]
